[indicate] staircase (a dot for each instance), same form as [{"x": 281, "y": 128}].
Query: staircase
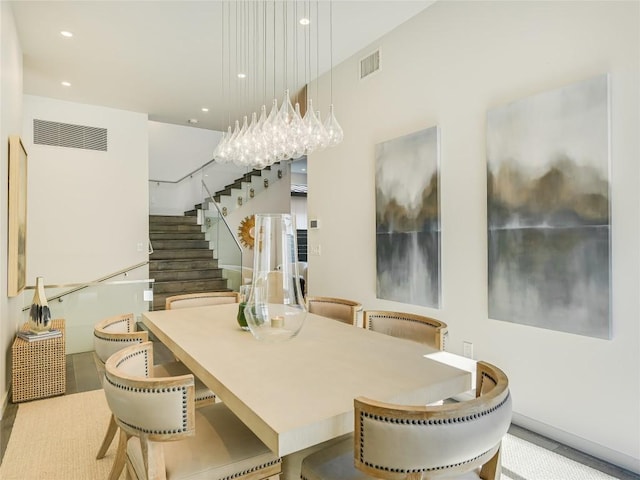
[
  {"x": 243, "y": 189},
  {"x": 182, "y": 261}
]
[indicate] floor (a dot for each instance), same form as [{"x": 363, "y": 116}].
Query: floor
[{"x": 82, "y": 376}]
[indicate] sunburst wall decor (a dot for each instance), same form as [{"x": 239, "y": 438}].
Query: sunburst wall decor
[{"x": 246, "y": 231}]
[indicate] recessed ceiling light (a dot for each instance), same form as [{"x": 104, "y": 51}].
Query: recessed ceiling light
[
  {"x": 304, "y": 21},
  {"x": 64, "y": 33},
  {"x": 205, "y": 109},
  {"x": 242, "y": 75},
  {"x": 65, "y": 84}
]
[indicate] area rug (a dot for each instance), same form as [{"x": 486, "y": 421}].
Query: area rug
[
  {"x": 522, "y": 460},
  {"x": 58, "y": 439}
]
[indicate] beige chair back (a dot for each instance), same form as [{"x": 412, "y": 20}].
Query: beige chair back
[
  {"x": 115, "y": 333},
  {"x": 164, "y": 436},
  {"x": 399, "y": 442},
  {"x": 189, "y": 300},
  {"x": 336, "y": 308},
  {"x": 160, "y": 409},
  {"x": 410, "y": 326}
]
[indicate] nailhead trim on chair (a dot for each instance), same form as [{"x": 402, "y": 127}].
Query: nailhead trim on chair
[
  {"x": 183, "y": 390},
  {"x": 205, "y": 397},
  {"x": 252, "y": 469},
  {"x": 486, "y": 374},
  {"x": 118, "y": 340},
  {"x": 124, "y": 319},
  {"x": 417, "y": 470},
  {"x": 134, "y": 354},
  {"x": 438, "y": 421},
  {"x": 441, "y": 421},
  {"x": 373, "y": 317}
]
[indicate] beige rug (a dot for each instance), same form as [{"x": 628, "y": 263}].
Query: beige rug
[
  {"x": 522, "y": 460},
  {"x": 58, "y": 438}
]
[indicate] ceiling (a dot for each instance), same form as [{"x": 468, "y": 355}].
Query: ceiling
[{"x": 164, "y": 58}]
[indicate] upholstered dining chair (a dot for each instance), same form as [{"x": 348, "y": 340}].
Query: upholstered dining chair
[
  {"x": 394, "y": 442},
  {"x": 188, "y": 300},
  {"x": 111, "y": 335},
  {"x": 407, "y": 325},
  {"x": 340, "y": 309},
  {"x": 165, "y": 437}
]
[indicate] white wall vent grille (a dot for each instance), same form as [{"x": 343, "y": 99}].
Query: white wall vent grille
[
  {"x": 67, "y": 135},
  {"x": 370, "y": 64}
]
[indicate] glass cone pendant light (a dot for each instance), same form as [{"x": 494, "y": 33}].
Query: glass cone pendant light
[
  {"x": 297, "y": 133},
  {"x": 225, "y": 149},
  {"x": 219, "y": 147},
  {"x": 320, "y": 134},
  {"x": 333, "y": 129},
  {"x": 287, "y": 120}
]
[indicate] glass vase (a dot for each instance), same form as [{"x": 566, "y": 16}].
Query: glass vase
[
  {"x": 275, "y": 309},
  {"x": 39, "y": 314},
  {"x": 244, "y": 296}
]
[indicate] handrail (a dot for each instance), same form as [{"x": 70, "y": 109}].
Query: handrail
[
  {"x": 221, "y": 215},
  {"x": 80, "y": 286},
  {"x": 187, "y": 175}
]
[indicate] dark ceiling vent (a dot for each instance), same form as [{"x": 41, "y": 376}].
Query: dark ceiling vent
[
  {"x": 370, "y": 64},
  {"x": 71, "y": 136}
]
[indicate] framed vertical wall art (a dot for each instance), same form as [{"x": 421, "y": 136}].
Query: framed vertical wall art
[
  {"x": 17, "y": 241},
  {"x": 408, "y": 219},
  {"x": 548, "y": 191}
]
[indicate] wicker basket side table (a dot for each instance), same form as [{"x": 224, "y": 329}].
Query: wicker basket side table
[{"x": 39, "y": 368}]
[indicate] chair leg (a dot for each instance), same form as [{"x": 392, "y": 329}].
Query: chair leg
[
  {"x": 153, "y": 459},
  {"x": 108, "y": 438},
  {"x": 121, "y": 457},
  {"x": 492, "y": 470}
]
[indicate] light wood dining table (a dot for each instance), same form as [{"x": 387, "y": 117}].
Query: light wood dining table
[{"x": 299, "y": 393}]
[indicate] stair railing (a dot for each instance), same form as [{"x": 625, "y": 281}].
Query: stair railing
[
  {"x": 82, "y": 305},
  {"x": 226, "y": 246},
  {"x": 75, "y": 287}
]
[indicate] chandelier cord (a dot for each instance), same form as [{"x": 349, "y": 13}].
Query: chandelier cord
[
  {"x": 331, "y": 49},
  {"x": 284, "y": 134}
]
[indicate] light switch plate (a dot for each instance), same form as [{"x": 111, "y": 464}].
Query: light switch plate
[{"x": 467, "y": 349}]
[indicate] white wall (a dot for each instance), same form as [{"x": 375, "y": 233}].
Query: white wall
[
  {"x": 447, "y": 67},
  {"x": 87, "y": 210},
  {"x": 275, "y": 199},
  {"x": 10, "y": 124},
  {"x": 299, "y": 211},
  {"x": 176, "y": 151}
]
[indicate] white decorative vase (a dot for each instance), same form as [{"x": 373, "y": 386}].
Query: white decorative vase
[{"x": 39, "y": 315}]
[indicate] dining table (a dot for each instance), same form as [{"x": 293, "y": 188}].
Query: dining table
[{"x": 298, "y": 393}]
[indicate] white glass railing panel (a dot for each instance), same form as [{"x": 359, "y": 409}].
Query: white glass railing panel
[
  {"x": 226, "y": 247},
  {"x": 84, "y": 305}
]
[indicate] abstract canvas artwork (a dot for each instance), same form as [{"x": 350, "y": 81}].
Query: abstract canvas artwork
[
  {"x": 408, "y": 219},
  {"x": 548, "y": 210},
  {"x": 17, "y": 234}
]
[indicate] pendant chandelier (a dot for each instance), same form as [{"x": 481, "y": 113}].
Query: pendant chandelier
[{"x": 260, "y": 52}]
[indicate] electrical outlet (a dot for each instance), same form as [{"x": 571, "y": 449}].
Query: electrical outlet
[
  {"x": 467, "y": 349},
  {"x": 314, "y": 250}
]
